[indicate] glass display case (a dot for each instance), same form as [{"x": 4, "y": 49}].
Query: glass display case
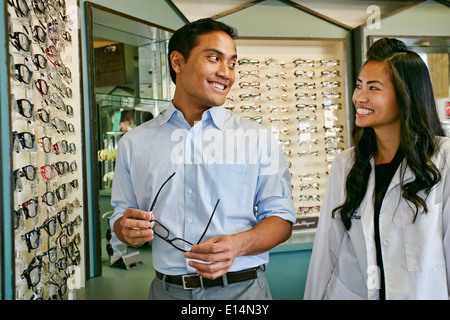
[
  {"x": 118, "y": 114},
  {"x": 132, "y": 83},
  {"x": 131, "y": 80}
]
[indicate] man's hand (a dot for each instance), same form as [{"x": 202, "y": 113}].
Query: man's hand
[
  {"x": 134, "y": 227},
  {"x": 218, "y": 253}
]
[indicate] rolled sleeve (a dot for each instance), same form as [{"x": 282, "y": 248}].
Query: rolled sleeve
[{"x": 274, "y": 195}]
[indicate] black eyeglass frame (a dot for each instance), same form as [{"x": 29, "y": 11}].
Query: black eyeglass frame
[
  {"x": 28, "y": 239},
  {"x": 36, "y": 263},
  {"x": 166, "y": 238}
]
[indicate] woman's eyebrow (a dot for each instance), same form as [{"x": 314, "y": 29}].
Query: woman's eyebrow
[
  {"x": 371, "y": 81},
  {"x": 375, "y": 81}
]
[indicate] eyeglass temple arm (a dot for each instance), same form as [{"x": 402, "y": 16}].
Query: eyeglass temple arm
[
  {"x": 154, "y": 201},
  {"x": 207, "y": 226}
]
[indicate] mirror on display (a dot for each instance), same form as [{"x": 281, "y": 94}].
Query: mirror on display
[
  {"x": 129, "y": 70},
  {"x": 129, "y": 73}
]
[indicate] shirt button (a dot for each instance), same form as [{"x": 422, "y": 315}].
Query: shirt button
[
  {"x": 189, "y": 162},
  {"x": 386, "y": 242},
  {"x": 189, "y": 191},
  {"x": 190, "y": 220}
]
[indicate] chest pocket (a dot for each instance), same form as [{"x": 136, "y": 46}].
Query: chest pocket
[{"x": 231, "y": 183}]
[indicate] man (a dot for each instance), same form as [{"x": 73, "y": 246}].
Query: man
[{"x": 225, "y": 167}]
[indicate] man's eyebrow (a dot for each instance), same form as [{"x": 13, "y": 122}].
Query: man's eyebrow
[{"x": 219, "y": 52}]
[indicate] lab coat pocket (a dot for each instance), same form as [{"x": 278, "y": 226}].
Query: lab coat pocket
[
  {"x": 423, "y": 238},
  {"x": 337, "y": 290},
  {"x": 230, "y": 183}
]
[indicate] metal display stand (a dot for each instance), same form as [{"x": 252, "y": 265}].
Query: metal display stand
[
  {"x": 46, "y": 122},
  {"x": 128, "y": 261}
]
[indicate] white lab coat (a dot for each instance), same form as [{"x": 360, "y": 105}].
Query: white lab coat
[{"x": 416, "y": 256}]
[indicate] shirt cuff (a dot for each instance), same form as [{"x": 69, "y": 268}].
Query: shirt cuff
[{"x": 282, "y": 208}]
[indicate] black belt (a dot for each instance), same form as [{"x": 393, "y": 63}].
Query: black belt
[{"x": 192, "y": 281}]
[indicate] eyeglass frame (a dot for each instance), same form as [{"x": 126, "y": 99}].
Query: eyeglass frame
[
  {"x": 27, "y": 237},
  {"x": 25, "y": 172},
  {"x": 19, "y": 68},
  {"x": 24, "y": 207},
  {"x": 170, "y": 241},
  {"x": 61, "y": 285},
  {"x": 18, "y": 43},
  {"x": 21, "y": 103},
  {"x": 23, "y": 138},
  {"x": 36, "y": 263},
  {"x": 49, "y": 225}
]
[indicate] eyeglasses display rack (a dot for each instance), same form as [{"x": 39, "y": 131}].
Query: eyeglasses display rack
[
  {"x": 46, "y": 139},
  {"x": 297, "y": 89}
]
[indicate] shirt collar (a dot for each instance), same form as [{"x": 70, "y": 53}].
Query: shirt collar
[
  {"x": 216, "y": 114},
  {"x": 171, "y": 111}
]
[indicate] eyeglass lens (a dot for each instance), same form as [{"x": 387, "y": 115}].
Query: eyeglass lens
[
  {"x": 162, "y": 232},
  {"x": 29, "y": 172},
  {"x": 39, "y": 34},
  {"x": 22, "y": 73},
  {"x": 33, "y": 275},
  {"x": 179, "y": 243},
  {"x": 32, "y": 239},
  {"x": 43, "y": 115},
  {"x": 26, "y": 139},
  {"x": 20, "y": 41},
  {"x": 50, "y": 226},
  {"x": 25, "y": 107}
]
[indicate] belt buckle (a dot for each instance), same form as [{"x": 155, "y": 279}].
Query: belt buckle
[{"x": 187, "y": 276}]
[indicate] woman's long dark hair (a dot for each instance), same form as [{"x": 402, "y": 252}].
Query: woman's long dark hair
[{"x": 419, "y": 126}]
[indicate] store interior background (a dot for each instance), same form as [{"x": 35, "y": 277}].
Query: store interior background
[{"x": 344, "y": 21}]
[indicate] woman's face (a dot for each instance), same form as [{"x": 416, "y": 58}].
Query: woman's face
[{"x": 374, "y": 98}]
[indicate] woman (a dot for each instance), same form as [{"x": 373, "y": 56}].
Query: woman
[{"x": 384, "y": 227}]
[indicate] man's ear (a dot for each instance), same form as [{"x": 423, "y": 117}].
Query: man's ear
[{"x": 176, "y": 59}]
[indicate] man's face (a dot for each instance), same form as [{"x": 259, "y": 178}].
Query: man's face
[{"x": 205, "y": 79}]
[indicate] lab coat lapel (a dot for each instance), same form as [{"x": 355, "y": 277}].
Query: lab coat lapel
[
  {"x": 396, "y": 179},
  {"x": 361, "y": 222}
]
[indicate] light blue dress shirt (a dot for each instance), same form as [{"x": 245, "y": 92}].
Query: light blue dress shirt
[{"x": 223, "y": 156}]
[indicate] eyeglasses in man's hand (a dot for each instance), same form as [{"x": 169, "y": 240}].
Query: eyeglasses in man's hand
[{"x": 162, "y": 232}]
